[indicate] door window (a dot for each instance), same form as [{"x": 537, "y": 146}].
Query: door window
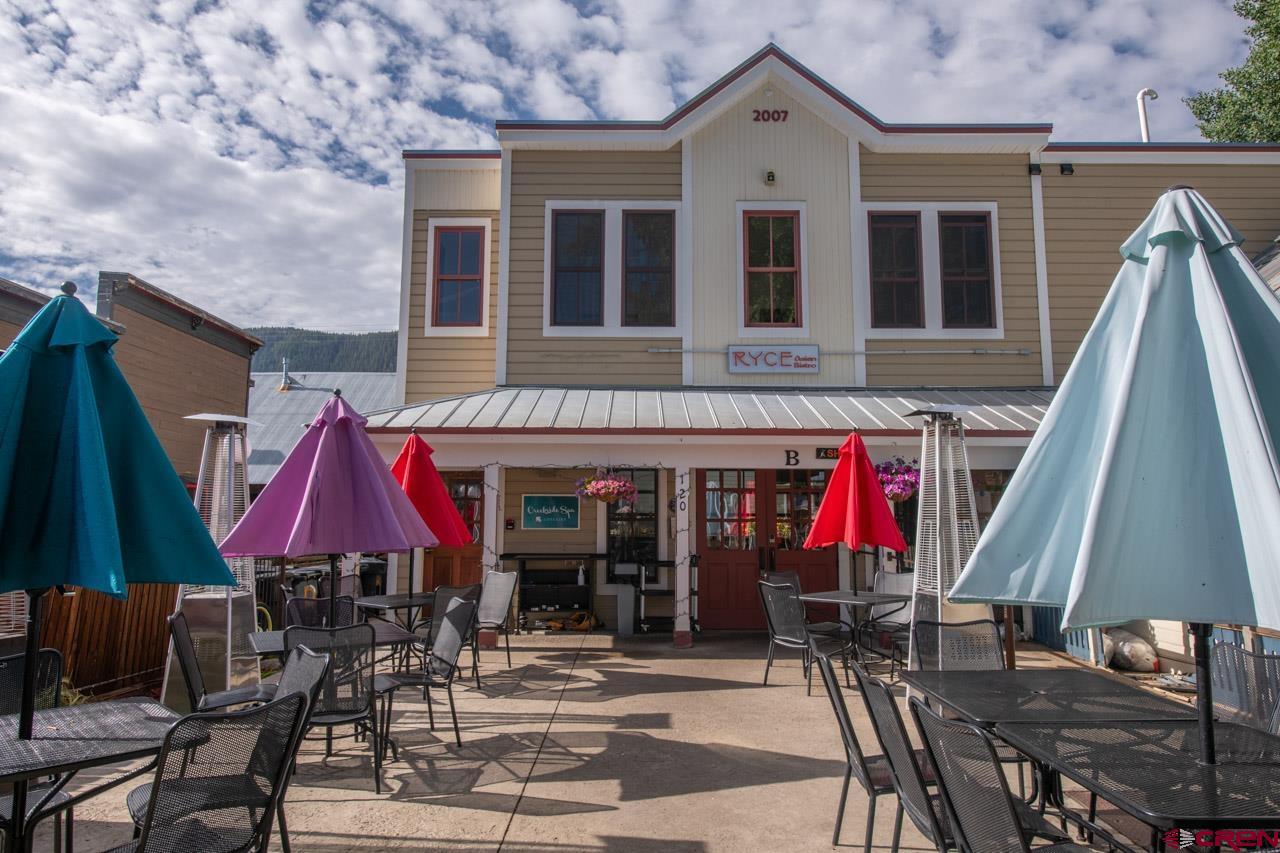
[
  {"x": 467, "y": 493},
  {"x": 730, "y": 498},
  {"x": 796, "y": 499},
  {"x": 633, "y": 527}
]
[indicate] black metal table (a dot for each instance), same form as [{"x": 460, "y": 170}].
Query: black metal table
[
  {"x": 1151, "y": 770},
  {"x": 398, "y": 601},
  {"x": 69, "y": 739},
  {"x": 265, "y": 643},
  {"x": 855, "y": 598},
  {"x": 1044, "y": 695}
]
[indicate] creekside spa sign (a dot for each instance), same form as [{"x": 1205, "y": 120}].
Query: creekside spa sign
[
  {"x": 773, "y": 359},
  {"x": 549, "y": 512}
]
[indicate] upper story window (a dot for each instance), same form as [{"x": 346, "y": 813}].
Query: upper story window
[
  {"x": 771, "y": 241},
  {"x": 648, "y": 268},
  {"x": 967, "y": 291},
  {"x": 457, "y": 283},
  {"x": 577, "y": 278},
  {"x": 896, "y": 285}
]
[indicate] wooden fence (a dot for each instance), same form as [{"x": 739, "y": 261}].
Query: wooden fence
[{"x": 111, "y": 646}]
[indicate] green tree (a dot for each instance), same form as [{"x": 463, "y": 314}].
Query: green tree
[{"x": 1247, "y": 107}]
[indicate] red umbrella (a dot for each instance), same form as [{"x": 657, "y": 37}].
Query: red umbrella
[
  {"x": 417, "y": 475},
  {"x": 854, "y": 509}
]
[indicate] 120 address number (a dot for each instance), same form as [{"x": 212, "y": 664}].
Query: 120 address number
[{"x": 768, "y": 115}]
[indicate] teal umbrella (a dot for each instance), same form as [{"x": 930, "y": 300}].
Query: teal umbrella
[{"x": 87, "y": 495}]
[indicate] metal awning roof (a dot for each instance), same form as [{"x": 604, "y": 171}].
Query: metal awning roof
[{"x": 564, "y": 410}]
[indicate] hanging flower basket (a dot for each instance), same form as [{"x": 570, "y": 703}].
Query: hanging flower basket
[
  {"x": 607, "y": 488},
  {"x": 899, "y": 478}
]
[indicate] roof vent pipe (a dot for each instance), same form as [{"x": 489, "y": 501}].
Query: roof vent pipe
[
  {"x": 284, "y": 374},
  {"x": 1142, "y": 111}
]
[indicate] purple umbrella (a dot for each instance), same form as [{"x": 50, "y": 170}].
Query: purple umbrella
[{"x": 332, "y": 495}]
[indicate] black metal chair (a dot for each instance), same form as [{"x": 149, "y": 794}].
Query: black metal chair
[
  {"x": 348, "y": 585},
  {"x": 871, "y": 771},
  {"x": 890, "y": 622},
  {"x": 314, "y": 612},
  {"x": 493, "y": 613},
  {"x": 303, "y": 672},
  {"x": 792, "y": 578},
  {"x": 199, "y": 698},
  {"x": 48, "y": 695},
  {"x": 1246, "y": 685},
  {"x": 976, "y": 794},
  {"x": 219, "y": 779},
  {"x": 453, "y": 619},
  {"x": 346, "y": 695},
  {"x": 785, "y": 617},
  {"x": 957, "y": 646},
  {"x": 470, "y": 592}
]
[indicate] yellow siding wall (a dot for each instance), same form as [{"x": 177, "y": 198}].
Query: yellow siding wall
[
  {"x": 457, "y": 189},
  {"x": 443, "y": 366},
  {"x": 810, "y": 160},
  {"x": 995, "y": 178},
  {"x": 8, "y": 331},
  {"x": 536, "y": 177},
  {"x": 1088, "y": 216}
]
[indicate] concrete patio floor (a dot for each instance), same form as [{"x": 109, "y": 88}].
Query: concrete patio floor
[{"x": 589, "y": 743}]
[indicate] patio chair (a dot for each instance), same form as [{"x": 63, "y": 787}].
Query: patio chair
[
  {"x": 890, "y": 620},
  {"x": 871, "y": 771},
  {"x": 792, "y": 578},
  {"x": 346, "y": 695},
  {"x": 470, "y": 592},
  {"x": 1246, "y": 685},
  {"x": 493, "y": 613},
  {"x": 303, "y": 672},
  {"x": 48, "y": 695},
  {"x": 957, "y": 646},
  {"x": 453, "y": 619},
  {"x": 314, "y": 612},
  {"x": 976, "y": 794},
  {"x": 348, "y": 585},
  {"x": 219, "y": 779},
  {"x": 198, "y": 697},
  {"x": 784, "y": 615}
]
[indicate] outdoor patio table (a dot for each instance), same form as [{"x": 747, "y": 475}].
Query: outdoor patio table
[
  {"x": 1044, "y": 695},
  {"x": 399, "y": 601},
  {"x": 72, "y": 738},
  {"x": 266, "y": 643},
  {"x": 855, "y": 598},
  {"x": 1151, "y": 770}
]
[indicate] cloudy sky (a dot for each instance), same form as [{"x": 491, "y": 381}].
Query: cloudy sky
[{"x": 246, "y": 154}]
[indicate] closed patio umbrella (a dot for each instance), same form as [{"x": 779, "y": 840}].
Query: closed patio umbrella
[
  {"x": 854, "y": 509},
  {"x": 1151, "y": 489},
  {"x": 332, "y": 495},
  {"x": 88, "y": 496},
  {"x": 418, "y": 477}
]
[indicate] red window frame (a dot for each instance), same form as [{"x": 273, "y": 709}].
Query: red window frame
[
  {"x": 896, "y": 281},
  {"x": 747, "y": 269},
  {"x": 437, "y": 276},
  {"x": 991, "y": 270},
  {"x": 555, "y": 214},
  {"x": 670, "y": 270}
]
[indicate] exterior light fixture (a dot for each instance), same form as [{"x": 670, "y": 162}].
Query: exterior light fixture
[{"x": 770, "y": 178}]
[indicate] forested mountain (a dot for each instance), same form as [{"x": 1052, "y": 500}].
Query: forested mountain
[{"x": 372, "y": 352}]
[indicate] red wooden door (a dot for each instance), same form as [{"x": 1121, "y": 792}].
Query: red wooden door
[{"x": 796, "y": 495}]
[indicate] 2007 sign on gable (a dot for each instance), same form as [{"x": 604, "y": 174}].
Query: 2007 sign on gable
[{"x": 768, "y": 115}]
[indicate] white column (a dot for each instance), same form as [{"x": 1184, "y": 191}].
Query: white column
[
  {"x": 684, "y": 499},
  {"x": 492, "y": 516}
]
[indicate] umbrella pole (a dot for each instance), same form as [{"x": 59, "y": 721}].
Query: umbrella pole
[
  {"x": 411, "y": 613},
  {"x": 1200, "y": 632},
  {"x": 1010, "y": 650},
  {"x": 333, "y": 590},
  {"x": 30, "y": 662}
]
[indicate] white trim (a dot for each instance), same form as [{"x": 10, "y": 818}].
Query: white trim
[
  {"x": 1042, "y": 280},
  {"x": 486, "y": 250},
  {"x": 1208, "y": 156},
  {"x": 684, "y": 263},
  {"x": 681, "y": 602},
  {"x": 504, "y": 271},
  {"x": 445, "y": 164},
  {"x": 612, "y": 271},
  {"x": 406, "y": 269},
  {"x": 787, "y": 332},
  {"x": 858, "y": 253},
  {"x": 931, "y": 266},
  {"x": 493, "y": 493}
]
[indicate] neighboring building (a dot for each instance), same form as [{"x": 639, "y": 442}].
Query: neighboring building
[
  {"x": 710, "y": 301},
  {"x": 282, "y": 404},
  {"x": 1268, "y": 264}
]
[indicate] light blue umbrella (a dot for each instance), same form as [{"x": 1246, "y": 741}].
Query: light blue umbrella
[{"x": 1151, "y": 489}]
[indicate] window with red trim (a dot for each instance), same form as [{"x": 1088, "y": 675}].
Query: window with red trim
[
  {"x": 458, "y": 277},
  {"x": 897, "y": 293},
  {"x": 577, "y": 274},
  {"x": 771, "y": 245},
  {"x": 648, "y": 268},
  {"x": 968, "y": 288}
]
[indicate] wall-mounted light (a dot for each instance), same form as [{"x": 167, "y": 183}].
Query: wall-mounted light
[
  {"x": 196, "y": 322},
  {"x": 770, "y": 178},
  {"x": 1033, "y": 168},
  {"x": 1066, "y": 169}
]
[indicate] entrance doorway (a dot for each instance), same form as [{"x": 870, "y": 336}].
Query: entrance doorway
[
  {"x": 464, "y": 565},
  {"x": 751, "y": 522}
]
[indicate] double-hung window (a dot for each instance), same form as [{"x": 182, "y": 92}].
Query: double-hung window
[
  {"x": 967, "y": 289},
  {"x": 577, "y": 276},
  {"x": 458, "y": 277},
  {"x": 771, "y": 267},
  {"x": 897, "y": 292},
  {"x": 648, "y": 268}
]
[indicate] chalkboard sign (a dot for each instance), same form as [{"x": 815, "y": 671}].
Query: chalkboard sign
[{"x": 549, "y": 512}]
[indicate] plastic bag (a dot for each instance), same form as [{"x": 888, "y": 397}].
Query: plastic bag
[{"x": 1133, "y": 653}]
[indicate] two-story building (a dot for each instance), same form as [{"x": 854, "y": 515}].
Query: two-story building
[{"x": 709, "y": 302}]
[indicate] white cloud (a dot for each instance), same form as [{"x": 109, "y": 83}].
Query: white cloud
[{"x": 246, "y": 155}]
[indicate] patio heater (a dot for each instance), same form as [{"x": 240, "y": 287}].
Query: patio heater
[
  {"x": 947, "y": 524},
  {"x": 220, "y": 617}
]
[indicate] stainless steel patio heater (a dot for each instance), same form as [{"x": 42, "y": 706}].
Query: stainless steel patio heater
[
  {"x": 947, "y": 524},
  {"x": 220, "y": 617}
]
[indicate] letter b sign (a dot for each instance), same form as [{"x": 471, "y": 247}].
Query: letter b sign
[{"x": 793, "y": 458}]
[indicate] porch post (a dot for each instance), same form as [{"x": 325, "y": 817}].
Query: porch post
[
  {"x": 683, "y": 634},
  {"x": 492, "y": 517}
]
